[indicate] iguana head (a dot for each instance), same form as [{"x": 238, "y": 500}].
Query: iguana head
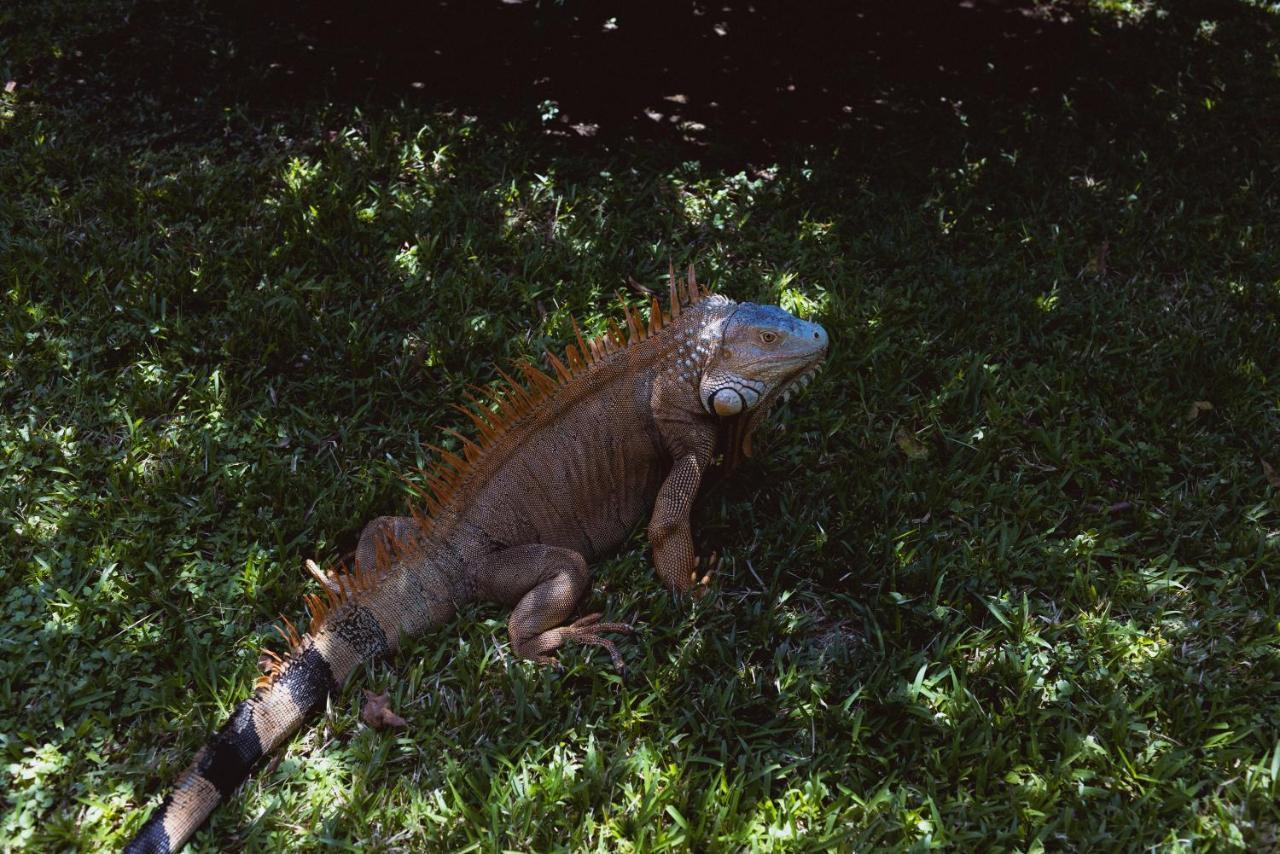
[
  {"x": 740, "y": 359},
  {"x": 755, "y": 353}
]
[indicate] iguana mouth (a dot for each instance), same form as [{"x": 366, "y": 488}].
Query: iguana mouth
[
  {"x": 799, "y": 382},
  {"x": 737, "y": 437}
]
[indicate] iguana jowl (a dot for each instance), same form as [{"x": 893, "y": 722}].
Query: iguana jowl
[{"x": 563, "y": 468}]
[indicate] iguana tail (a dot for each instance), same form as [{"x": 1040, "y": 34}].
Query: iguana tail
[{"x": 366, "y": 614}]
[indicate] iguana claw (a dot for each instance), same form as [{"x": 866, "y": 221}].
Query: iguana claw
[{"x": 702, "y": 586}]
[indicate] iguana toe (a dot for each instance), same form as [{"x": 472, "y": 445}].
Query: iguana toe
[
  {"x": 589, "y": 630},
  {"x": 700, "y": 587}
]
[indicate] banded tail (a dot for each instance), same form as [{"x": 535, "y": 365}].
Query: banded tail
[
  {"x": 257, "y": 726},
  {"x": 365, "y": 616}
]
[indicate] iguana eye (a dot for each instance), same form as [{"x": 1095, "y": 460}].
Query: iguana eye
[{"x": 768, "y": 337}]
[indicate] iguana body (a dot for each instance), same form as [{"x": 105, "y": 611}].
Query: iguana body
[{"x": 563, "y": 469}]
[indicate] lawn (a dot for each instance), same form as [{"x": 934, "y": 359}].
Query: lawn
[{"x": 999, "y": 579}]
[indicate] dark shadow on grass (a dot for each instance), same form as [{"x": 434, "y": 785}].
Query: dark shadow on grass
[{"x": 735, "y": 81}]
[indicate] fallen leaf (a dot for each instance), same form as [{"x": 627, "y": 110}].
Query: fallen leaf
[
  {"x": 377, "y": 712},
  {"x": 1272, "y": 476},
  {"x": 907, "y": 442},
  {"x": 1097, "y": 265},
  {"x": 1196, "y": 408}
]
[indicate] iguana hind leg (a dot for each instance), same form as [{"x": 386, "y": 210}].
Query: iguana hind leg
[
  {"x": 385, "y": 538},
  {"x": 543, "y": 584},
  {"x": 382, "y": 541}
]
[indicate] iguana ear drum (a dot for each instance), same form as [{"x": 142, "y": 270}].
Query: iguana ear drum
[{"x": 725, "y": 402}]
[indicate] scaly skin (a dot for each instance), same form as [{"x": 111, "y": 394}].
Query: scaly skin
[{"x": 565, "y": 469}]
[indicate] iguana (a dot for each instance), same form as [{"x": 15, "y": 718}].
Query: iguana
[{"x": 563, "y": 466}]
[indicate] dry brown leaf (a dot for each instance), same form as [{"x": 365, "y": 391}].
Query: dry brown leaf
[
  {"x": 1272, "y": 476},
  {"x": 1097, "y": 265},
  {"x": 377, "y": 712},
  {"x": 1196, "y": 408},
  {"x": 906, "y": 440}
]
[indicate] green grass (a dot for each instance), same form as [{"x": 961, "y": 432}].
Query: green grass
[{"x": 999, "y": 579}]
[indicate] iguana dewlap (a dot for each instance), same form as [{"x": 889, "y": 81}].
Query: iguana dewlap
[{"x": 563, "y": 468}]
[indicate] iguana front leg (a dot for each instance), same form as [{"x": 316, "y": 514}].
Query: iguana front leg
[
  {"x": 669, "y": 532},
  {"x": 544, "y": 584}
]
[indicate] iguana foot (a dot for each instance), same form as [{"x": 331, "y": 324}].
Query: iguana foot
[
  {"x": 588, "y": 630},
  {"x": 699, "y": 587}
]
